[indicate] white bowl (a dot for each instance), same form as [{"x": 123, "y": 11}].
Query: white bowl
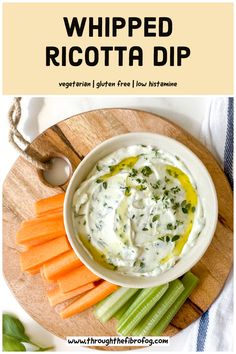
[{"x": 206, "y": 191}]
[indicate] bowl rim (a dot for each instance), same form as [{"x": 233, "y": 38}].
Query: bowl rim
[{"x": 93, "y": 265}]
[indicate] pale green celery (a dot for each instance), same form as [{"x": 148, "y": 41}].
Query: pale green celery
[
  {"x": 189, "y": 281},
  {"x": 113, "y": 303},
  {"x": 145, "y": 327},
  {"x": 140, "y": 307},
  {"x": 125, "y": 307}
]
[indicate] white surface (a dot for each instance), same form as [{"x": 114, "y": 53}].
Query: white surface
[
  {"x": 41, "y": 113},
  {"x": 213, "y": 135}
]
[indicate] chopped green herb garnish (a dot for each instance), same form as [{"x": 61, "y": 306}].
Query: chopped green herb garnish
[
  {"x": 185, "y": 206},
  {"x": 167, "y": 238},
  {"x": 155, "y": 218},
  {"x": 172, "y": 173},
  {"x": 167, "y": 180},
  {"x": 104, "y": 184},
  {"x": 111, "y": 168},
  {"x": 142, "y": 264},
  {"x": 170, "y": 226},
  {"x": 156, "y": 151},
  {"x": 133, "y": 172},
  {"x": 156, "y": 198},
  {"x": 175, "y": 189},
  {"x": 98, "y": 168},
  {"x": 99, "y": 180},
  {"x": 175, "y": 238},
  {"x": 175, "y": 206},
  {"x": 146, "y": 171},
  {"x": 127, "y": 191},
  {"x": 141, "y": 187},
  {"x": 145, "y": 229},
  {"x": 193, "y": 209},
  {"x": 185, "y": 210},
  {"x": 156, "y": 185}
]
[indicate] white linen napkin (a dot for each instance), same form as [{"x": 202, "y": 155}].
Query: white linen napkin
[{"x": 215, "y": 328}]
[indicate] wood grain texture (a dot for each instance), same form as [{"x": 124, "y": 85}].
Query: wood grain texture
[{"x": 74, "y": 138}]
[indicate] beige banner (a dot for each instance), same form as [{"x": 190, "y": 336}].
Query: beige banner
[{"x": 206, "y": 28}]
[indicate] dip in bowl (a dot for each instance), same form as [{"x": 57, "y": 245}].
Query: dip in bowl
[{"x": 140, "y": 210}]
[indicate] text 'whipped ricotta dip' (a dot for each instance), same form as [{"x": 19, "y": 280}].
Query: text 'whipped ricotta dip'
[{"x": 138, "y": 211}]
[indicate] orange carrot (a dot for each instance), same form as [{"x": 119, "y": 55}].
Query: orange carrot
[
  {"x": 41, "y": 220},
  {"x": 76, "y": 278},
  {"x": 56, "y": 296},
  {"x": 43, "y": 206},
  {"x": 37, "y": 232},
  {"x": 34, "y": 270},
  {"x": 88, "y": 300},
  {"x": 51, "y": 212},
  {"x": 60, "y": 265},
  {"x": 40, "y": 254}
]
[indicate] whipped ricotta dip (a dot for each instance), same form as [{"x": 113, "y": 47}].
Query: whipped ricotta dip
[{"x": 138, "y": 211}]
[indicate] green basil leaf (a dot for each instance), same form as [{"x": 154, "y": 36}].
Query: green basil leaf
[
  {"x": 11, "y": 344},
  {"x": 13, "y": 327}
]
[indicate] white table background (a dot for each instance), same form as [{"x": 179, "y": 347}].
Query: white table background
[{"x": 40, "y": 113}]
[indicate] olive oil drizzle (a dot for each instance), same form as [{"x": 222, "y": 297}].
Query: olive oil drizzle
[
  {"x": 192, "y": 199},
  {"x": 124, "y": 164}
]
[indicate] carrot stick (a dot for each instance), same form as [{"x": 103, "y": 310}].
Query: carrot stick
[
  {"x": 50, "y": 212},
  {"x": 41, "y": 220},
  {"x": 43, "y": 206},
  {"x": 37, "y": 255},
  {"x": 88, "y": 300},
  {"x": 34, "y": 270},
  {"x": 56, "y": 296},
  {"x": 76, "y": 278},
  {"x": 60, "y": 265},
  {"x": 43, "y": 276},
  {"x": 38, "y": 232}
]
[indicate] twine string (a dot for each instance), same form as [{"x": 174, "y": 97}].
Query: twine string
[{"x": 17, "y": 140}]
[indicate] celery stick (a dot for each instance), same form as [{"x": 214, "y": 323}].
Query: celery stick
[
  {"x": 189, "y": 281},
  {"x": 140, "y": 307},
  {"x": 113, "y": 303},
  {"x": 151, "y": 319},
  {"x": 125, "y": 307}
]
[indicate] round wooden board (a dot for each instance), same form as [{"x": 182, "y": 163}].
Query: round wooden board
[{"x": 74, "y": 138}]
